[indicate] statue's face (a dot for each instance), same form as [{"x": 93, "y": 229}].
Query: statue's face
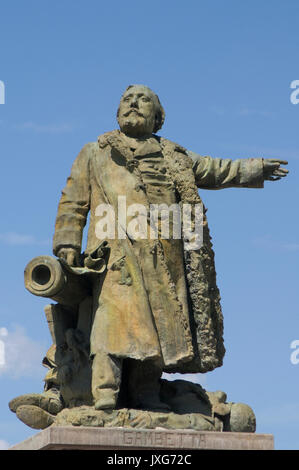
[{"x": 136, "y": 115}]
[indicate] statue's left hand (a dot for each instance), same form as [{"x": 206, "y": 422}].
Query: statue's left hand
[
  {"x": 273, "y": 170},
  {"x": 70, "y": 255}
]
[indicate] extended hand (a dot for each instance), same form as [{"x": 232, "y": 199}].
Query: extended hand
[
  {"x": 70, "y": 255},
  {"x": 272, "y": 169}
]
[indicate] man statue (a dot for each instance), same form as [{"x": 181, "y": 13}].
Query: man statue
[{"x": 156, "y": 308}]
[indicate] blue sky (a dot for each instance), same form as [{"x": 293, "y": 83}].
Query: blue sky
[{"x": 223, "y": 72}]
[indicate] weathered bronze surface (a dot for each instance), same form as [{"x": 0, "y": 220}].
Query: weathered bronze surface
[{"x": 129, "y": 307}]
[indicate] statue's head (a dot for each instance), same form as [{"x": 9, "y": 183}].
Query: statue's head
[{"x": 140, "y": 112}]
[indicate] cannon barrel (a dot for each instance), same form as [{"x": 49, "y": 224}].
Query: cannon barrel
[{"x": 46, "y": 276}]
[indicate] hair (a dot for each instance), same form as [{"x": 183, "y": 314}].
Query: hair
[{"x": 160, "y": 113}]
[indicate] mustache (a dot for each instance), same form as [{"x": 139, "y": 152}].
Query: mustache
[{"x": 127, "y": 113}]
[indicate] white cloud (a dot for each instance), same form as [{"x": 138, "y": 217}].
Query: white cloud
[
  {"x": 45, "y": 128},
  {"x": 13, "y": 238},
  {"x": 291, "y": 246},
  {"x": 255, "y": 112},
  {"x": 22, "y": 355},
  {"x": 281, "y": 414},
  {"x": 4, "y": 445},
  {"x": 243, "y": 112},
  {"x": 269, "y": 152},
  {"x": 267, "y": 242},
  {"x": 217, "y": 110}
]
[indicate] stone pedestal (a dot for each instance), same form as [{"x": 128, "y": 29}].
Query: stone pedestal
[{"x": 91, "y": 438}]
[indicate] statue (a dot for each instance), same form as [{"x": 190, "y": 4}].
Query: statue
[{"x": 132, "y": 307}]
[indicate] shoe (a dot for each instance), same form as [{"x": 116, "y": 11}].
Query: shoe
[
  {"x": 34, "y": 417},
  {"x": 48, "y": 401},
  {"x": 105, "y": 403}
]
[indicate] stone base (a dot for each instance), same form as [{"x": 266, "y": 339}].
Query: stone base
[{"x": 90, "y": 438}]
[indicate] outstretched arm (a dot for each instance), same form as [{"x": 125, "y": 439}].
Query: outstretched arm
[{"x": 218, "y": 173}]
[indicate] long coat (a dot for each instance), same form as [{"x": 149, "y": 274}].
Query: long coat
[{"x": 140, "y": 310}]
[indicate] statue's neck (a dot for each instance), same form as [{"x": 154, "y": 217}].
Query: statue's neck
[{"x": 135, "y": 140}]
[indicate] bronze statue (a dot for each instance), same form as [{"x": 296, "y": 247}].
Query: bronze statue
[{"x": 130, "y": 308}]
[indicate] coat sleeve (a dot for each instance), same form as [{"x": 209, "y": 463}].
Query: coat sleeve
[
  {"x": 74, "y": 204},
  {"x": 218, "y": 173}
]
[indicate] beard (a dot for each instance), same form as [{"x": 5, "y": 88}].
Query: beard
[{"x": 134, "y": 124}]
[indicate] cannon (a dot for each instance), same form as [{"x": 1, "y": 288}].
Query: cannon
[{"x": 46, "y": 276}]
